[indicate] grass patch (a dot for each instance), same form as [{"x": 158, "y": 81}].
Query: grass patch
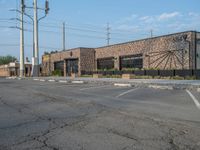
[{"x": 86, "y": 76}]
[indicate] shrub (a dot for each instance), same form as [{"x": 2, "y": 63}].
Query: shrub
[
  {"x": 190, "y": 78},
  {"x": 57, "y": 73},
  {"x": 178, "y": 78},
  {"x": 130, "y": 69},
  {"x": 86, "y": 76}
]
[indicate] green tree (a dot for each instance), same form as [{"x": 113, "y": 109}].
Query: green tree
[{"x": 7, "y": 59}]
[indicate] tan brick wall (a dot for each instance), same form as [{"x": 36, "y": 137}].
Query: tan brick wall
[
  {"x": 164, "y": 52},
  {"x": 4, "y": 71},
  {"x": 61, "y": 56},
  {"x": 9, "y": 70},
  {"x": 157, "y": 48},
  {"x": 87, "y": 59},
  {"x": 46, "y": 68}
]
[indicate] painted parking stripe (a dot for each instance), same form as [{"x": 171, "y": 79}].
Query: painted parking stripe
[
  {"x": 52, "y": 80},
  {"x": 94, "y": 87},
  {"x": 122, "y": 85},
  {"x": 161, "y": 87},
  {"x": 194, "y": 99},
  {"x": 124, "y": 93},
  {"x": 78, "y": 82},
  {"x": 42, "y": 80},
  {"x": 62, "y": 81}
]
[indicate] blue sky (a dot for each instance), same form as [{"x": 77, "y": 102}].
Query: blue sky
[{"x": 86, "y": 22}]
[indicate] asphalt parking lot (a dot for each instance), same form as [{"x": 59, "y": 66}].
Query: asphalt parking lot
[{"x": 39, "y": 115}]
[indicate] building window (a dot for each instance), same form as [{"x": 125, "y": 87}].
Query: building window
[
  {"x": 133, "y": 61},
  {"x": 59, "y": 66},
  {"x": 26, "y": 70},
  {"x": 105, "y": 63}
]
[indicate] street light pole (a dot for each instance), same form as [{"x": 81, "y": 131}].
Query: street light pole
[{"x": 22, "y": 40}]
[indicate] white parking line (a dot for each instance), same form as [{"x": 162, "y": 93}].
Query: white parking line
[
  {"x": 194, "y": 99},
  {"x": 78, "y": 82},
  {"x": 52, "y": 80},
  {"x": 161, "y": 87},
  {"x": 94, "y": 87},
  {"x": 122, "y": 85},
  {"x": 42, "y": 80},
  {"x": 124, "y": 93},
  {"x": 62, "y": 81}
]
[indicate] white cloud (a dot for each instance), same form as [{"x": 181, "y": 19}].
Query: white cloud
[
  {"x": 147, "y": 19},
  {"x": 161, "y": 23},
  {"x": 167, "y": 16},
  {"x": 125, "y": 27},
  {"x": 194, "y": 15},
  {"x": 127, "y": 19}
]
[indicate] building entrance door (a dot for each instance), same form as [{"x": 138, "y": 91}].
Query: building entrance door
[{"x": 72, "y": 66}]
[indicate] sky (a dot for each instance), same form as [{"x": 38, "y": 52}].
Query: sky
[{"x": 87, "y": 20}]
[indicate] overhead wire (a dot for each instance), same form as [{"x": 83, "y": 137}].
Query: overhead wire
[{"x": 26, "y": 45}]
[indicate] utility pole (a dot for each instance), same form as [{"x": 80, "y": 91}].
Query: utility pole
[
  {"x": 22, "y": 39},
  {"x": 63, "y": 35},
  {"x": 108, "y": 34},
  {"x": 151, "y": 33},
  {"x": 35, "y": 59}
]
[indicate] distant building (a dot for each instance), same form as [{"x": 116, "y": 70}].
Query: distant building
[
  {"x": 174, "y": 51},
  {"x": 12, "y": 69}
]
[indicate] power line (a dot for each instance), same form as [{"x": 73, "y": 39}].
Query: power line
[
  {"x": 26, "y": 45},
  {"x": 84, "y": 29}
]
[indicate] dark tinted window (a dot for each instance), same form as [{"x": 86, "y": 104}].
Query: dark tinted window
[
  {"x": 106, "y": 63},
  {"x": 133, "y": 61}
]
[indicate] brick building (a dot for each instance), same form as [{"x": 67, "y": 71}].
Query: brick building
[
  {"x": 12, "y": 69},
  {"x": 174, "y": 51}
]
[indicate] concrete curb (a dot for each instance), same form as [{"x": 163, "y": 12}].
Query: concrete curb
[
  {"x": 164, "y": 87},
  {"x": 36, "y": 79},
  {"x": 125, "y": 83},
  {"x": 122, "y": 85},
  {"x": 52, "y": 80},
  {"x": 77, "y": 82},
  {"x": 42, "y": 80},
  {"x": 63, "y": 81}
]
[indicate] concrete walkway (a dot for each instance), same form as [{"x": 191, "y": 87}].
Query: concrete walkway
[{"x": 175, "y": 84}]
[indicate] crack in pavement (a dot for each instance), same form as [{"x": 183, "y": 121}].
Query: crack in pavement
[
  {"x": 10, "y": 106},
  {"x": 125, "y": 135},
  {"x": 44, "y": 137},
  {"x": 88, "y": 119},
  {"x": 18, "y": 125}
]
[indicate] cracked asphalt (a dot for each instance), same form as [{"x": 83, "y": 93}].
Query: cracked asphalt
[{"x": 38, "y": 115}]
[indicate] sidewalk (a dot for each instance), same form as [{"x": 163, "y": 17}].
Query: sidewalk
[{"x": 175, "y": 84}]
